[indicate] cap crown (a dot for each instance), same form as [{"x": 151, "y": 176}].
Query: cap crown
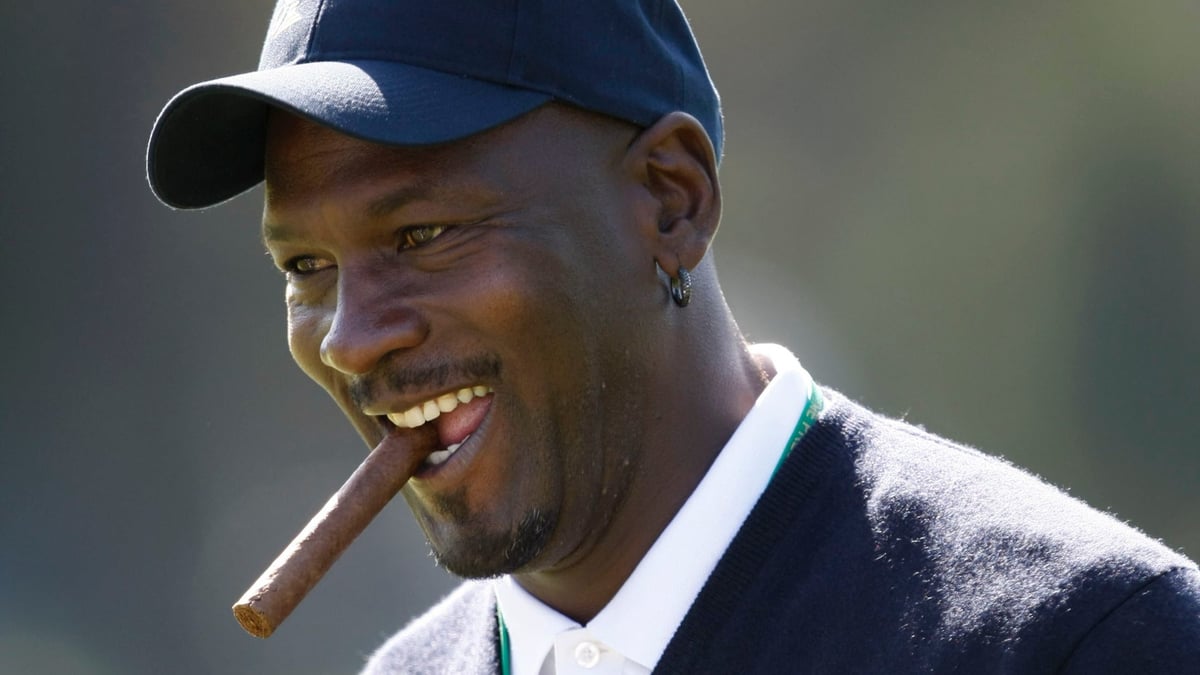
[{"x": 633, "y": 59}]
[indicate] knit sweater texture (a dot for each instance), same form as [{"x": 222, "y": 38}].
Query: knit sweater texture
[{"x": 881, "y": 548}]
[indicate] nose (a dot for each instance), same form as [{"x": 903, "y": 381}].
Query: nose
[{"x": 371, "y": 321}]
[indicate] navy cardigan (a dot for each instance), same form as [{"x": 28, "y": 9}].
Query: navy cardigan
[{"x": 880, "y": 548}]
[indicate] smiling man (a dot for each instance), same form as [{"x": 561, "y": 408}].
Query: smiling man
[
  {"x": 495, "y": 223},
  {"x": 448, "y": 293}
]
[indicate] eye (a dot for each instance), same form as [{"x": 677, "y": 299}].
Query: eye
[
  {"x": 306, "y": 264},
  {"x": 419, "y": 235}
]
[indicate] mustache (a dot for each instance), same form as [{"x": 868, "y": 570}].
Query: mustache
[{"x": 364, "y": 389}]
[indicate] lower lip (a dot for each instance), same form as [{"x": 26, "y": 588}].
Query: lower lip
[{"x": 456, "y": 464}]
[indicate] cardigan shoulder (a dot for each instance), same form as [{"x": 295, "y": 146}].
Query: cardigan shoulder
[
  {"x": 457, "y": 635},
  {"x": 882, "y": 548}
]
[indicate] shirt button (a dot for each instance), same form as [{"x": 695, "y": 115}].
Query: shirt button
[{"x": 587, "y": 654}]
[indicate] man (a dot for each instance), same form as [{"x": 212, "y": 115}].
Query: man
[{"x": 495, "y": 221}]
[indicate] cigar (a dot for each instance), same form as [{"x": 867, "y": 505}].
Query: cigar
[{"x": 270, "y": 599}]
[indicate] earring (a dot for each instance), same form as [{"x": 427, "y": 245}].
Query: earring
[{"x": 681, "y": 287}]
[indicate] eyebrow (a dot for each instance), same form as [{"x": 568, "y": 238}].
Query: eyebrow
[
  {"x": 272, "y": 232},
  {"x": 419, "y": 190},
  {"x": 377, "y": 208}
]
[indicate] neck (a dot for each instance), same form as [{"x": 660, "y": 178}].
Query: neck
[{"x": 701, "y": 401}]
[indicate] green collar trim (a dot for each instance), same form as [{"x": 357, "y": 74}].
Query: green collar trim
[
  {"x": 505, "y": 646},
  {"x": 808, "y": 417},
  {"x": 812, "y": 410}
]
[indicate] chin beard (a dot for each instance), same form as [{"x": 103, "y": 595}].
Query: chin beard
[{"x": 486, "y": 554}]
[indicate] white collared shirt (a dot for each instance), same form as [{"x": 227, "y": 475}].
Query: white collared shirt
[{"x": 629, "y": 635}]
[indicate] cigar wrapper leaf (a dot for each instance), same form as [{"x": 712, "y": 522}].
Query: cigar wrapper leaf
[{"x": 270, "y": 599}]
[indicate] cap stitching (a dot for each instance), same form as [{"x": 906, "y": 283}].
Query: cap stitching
[
  {"x": 510, "y": 72},
  {"x": 680, "y": 76},
  {"x": 313, "y": 27}
]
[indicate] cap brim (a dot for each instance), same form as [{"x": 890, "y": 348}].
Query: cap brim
[{"x": 208, "y": 143}]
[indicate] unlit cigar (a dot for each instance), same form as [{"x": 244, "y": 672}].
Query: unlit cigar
[{"x": 279, "y": 589}]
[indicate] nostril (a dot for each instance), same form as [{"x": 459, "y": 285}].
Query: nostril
[
  {"x": 355, "y": 345},
  {"x": 375, "y": 314}
]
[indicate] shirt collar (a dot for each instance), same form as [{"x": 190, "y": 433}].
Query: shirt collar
[{"x": 641, "y": 618}]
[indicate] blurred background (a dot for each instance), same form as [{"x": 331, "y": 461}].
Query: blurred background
[{"x": 982, "y": 217}]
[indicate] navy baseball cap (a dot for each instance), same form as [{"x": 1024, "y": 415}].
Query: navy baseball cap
[{"x": 411, "y": 72}]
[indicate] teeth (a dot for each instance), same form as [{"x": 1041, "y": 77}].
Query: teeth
[
  {"x": 411, "y": 419},
  {"x": 431, "y": 409},
  {"x": 440, "y": 456},
  {"x": 447, "y": 402}
]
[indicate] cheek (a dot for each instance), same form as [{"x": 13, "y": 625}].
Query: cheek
[
  {"x": 306, "y": 329},
  {"x": 513, "y": 297}
]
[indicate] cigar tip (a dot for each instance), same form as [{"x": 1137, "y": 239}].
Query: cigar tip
[{"x": 252, "y": 621}]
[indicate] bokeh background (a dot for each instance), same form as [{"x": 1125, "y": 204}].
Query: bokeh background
[{"x": 979, "y": 216}]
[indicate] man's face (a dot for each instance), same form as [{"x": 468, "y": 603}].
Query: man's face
[{"x": 501, "y": 281}]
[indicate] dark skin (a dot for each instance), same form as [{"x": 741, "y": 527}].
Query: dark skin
[{"x": 530, "y": 259}]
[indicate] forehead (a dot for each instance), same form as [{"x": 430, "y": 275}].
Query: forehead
[
  {"x": 303, "y": 158},
  {"x": 553, "y": 143}
]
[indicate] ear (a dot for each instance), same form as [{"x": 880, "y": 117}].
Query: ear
[{"x": 674, "y": 162}]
